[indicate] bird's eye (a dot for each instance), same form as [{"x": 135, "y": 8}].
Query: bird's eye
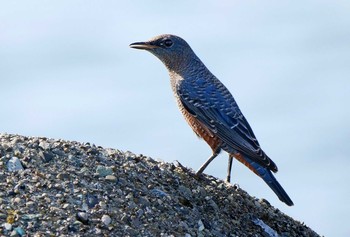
[{"x": 167, "y": 43}]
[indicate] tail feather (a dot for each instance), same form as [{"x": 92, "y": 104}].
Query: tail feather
[{"x": 268, "y": 177}]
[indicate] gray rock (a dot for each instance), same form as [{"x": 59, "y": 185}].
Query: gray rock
[
  {"x": 14, "y": 164},
  {"x": 103, "y": 171},
  {"x": 83, "y": 217}
]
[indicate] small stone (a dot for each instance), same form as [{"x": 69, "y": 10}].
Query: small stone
[
  {"x": 30, "y": 217},
  {"x": 213, "y": 205},
  {"x": 200, "y": 225},
  {"x": 139, "y": 213},
  {"x": 14, "y": 164},
  {"x": 103, "y": 171},
  {"x": 84, "y": 206},
  {"x": 106, "y": 219},
  {"x": 82, "y": 217},
  {"x": 47, "y": 199},
  {"x": 110, "y": 177},
  {"x": 230, "y": 198},
  {"x": 16, "y": 200},
  {"x": 221, "y": 186},
  {"x": 158, "y": 193},
  {"x": 143, "y": 201},
  {"x": 30, "y": 204},
  {"x": 129, "y": 196},
  {"x": 7, "y": 226},
  {"x": 257, "y": 204},
  {"x": 45, "y": 145},
  {"x": 20, "y": 231},
  {"x": 91, "y": 200},
  {"x": 201, "y": 191},
  {"x": 264, "y": 201},
  {"x": 186, "y": 192},
  {"x": 98, "y": 231},
  {"x": 46, "y": 156},
  {"x": 62, "y": 176},
  {"x": 102, "y": 205}
]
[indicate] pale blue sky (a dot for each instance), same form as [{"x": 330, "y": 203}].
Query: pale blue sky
[{"x": 67, "y": 72}]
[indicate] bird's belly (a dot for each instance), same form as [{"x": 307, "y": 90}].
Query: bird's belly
[{"x": 201, "y": 130}]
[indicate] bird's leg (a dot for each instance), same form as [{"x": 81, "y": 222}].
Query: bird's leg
[
  {"x": 211, "y": 158},
  {"x": 230, "y": 158}
]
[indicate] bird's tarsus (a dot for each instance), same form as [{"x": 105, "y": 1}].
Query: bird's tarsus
[
  {"x": 230, "y": 159},
  {"x": 210, "y": 159}
]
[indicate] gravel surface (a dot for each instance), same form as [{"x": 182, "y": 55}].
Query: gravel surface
[{"x": 62, "y": 188}]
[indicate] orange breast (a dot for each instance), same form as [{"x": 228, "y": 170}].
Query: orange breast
[{"x": 201, "y": 130}]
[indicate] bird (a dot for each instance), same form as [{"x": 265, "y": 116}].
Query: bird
[{"x": 210, "y": 110}]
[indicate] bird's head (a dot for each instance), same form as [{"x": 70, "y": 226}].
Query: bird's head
[{"x": 172, "y": 50}]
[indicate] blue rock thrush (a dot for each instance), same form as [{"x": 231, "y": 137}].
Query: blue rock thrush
[{"x": 210, "y": 109}]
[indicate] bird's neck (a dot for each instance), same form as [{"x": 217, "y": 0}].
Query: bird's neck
[
  {"x": 186, "y": 69},
  {"x": 187, "y": 72}
]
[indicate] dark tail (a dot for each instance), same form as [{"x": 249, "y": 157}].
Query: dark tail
[{"x": 270, "y": 179}]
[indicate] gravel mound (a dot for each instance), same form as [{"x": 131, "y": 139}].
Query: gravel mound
[{"x": 62, "y": 188}]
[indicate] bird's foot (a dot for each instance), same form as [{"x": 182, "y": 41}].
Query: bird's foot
[{"x": 198, "y": 175}]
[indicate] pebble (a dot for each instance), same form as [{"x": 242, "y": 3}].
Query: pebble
[
  {"x": 45, "y": 145},
  {"x": 200, "y": 225},
  {"x": 30, "y": 217},
  {"x": 17, "y": 200},
  {"x": 158, "y": 193},
  {"x": 29, "y": 203},
  {"x": 111, "y": 178},
  {"x": 62, "y": 176},
  {"x": 83, "y": 217},
  {"x": 186, "y": 192},
  {"x": 213, "y": 205},
  {"x": 91, "y": 200},
  {"x": 20, "y": 231},
  {"x": 257, "y": 204},
  {"x": 14, "y": 164},
  {"x": 103, "y": 171},
  {"x": 46, "y": 156},
  {"x": 106, "y": 219},
  {"x": 98, "y": 231},
  {"x": 7, "y": 226}
]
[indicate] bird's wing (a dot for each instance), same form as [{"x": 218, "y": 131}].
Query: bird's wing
[{"x": 216, "y": 108}]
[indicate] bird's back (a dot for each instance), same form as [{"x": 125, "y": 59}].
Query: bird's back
[{"x": 204, "y": 99}]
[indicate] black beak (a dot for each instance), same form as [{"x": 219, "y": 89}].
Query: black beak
[{"x": 143, "y": 45}]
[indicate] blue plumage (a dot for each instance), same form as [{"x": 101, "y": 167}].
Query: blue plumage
[{"x": 211, "y": 110}]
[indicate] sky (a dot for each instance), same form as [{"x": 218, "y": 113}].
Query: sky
[{"x": 67, "y": 72}]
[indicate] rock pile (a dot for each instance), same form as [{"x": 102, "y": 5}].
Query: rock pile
[{"x": 60, "y": 188}]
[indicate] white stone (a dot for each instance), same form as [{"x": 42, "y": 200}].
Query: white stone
[
  {"x": 7, "y": 226},
  {"x": 106, "y": 219}
]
